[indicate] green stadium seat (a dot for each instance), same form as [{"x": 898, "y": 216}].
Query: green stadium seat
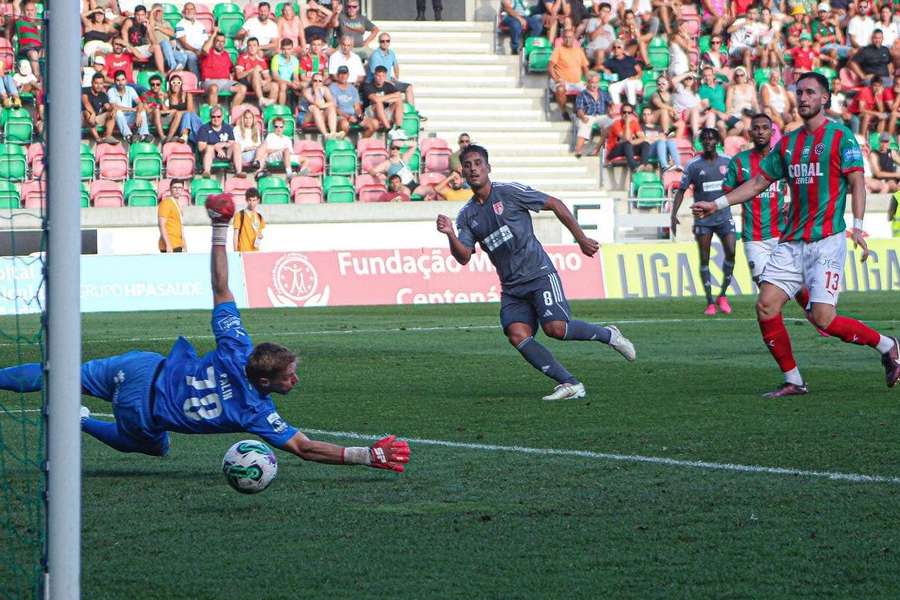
[
  {"x": 230, "y": 23},
  {"x": 139, "y": 192},
  {"x": 650, "y": 195},
  {"x": 171, "y": 14},
  {"x": 13, "y": 162},
  {"x": 145, "y": 160},
  {"x": 761, "y": 75},
  {"x": 85, "y": 196},
  {"x": 87, "y": 162},
  {"x": 703, "y": 44},
  {"x": 17, "y": 126},
  {"x": 201, "y": 187},
  {"x": 143, "y": 78},
  {"x": 658, "y": 54},
  {"x": 340, "y": 157},
  {"x": 204, "y": 111},
  {"x": 828, "y": 72},
  {"x": 9, "y": 195},
  {"x": 640, "y": 178},
  {"x": 280, "y": 6},
  {"x": 537, "y": 51},
  {"x": 338, "y": 189},
  {"x": 274, "y": 190},
  {"x": 279, "y": 110},
  {"x": 411, "y": 120}
]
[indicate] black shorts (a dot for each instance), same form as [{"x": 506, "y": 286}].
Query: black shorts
[{"x": 720, "y": 229}]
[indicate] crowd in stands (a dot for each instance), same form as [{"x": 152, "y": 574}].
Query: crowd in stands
[
  {"x": 644, "y": 76},
  {"x": 304, "y": 96}
]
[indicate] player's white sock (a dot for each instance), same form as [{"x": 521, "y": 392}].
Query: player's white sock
[
  {"x": 793, "y": 376},
  {"x": 885, "y": 344}
]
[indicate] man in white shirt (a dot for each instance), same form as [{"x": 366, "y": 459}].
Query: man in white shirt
[
  {"x": 346, "y": 57},
  {"x": 745, "y": 34},
  {"x": 129, "y": 110},
  {"x": 277, "y": 147},
  {"x": 191, "y": 35},
  {"x": 861, "y": 26},
  {"x": 264, "y": 28}
]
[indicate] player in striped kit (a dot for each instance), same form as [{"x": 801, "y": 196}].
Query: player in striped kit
[{"x": 821, "y": 162}]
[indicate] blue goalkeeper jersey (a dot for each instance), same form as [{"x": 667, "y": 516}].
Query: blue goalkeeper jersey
[{"x": 211, "y": 393}]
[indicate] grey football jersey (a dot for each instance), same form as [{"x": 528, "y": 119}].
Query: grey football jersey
[
  {"x": 707, "y": 177},
  {"x": 503, "y": 228}
]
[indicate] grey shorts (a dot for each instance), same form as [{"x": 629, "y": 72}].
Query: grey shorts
[
  {"x": 720, "y": 229},
  {"x": 225, "y": 85},
  {"x": 540, "y": 300}
]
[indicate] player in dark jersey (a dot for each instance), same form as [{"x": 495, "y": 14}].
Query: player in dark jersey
[
  {"x": 820, "y": 161},
  {"x": 226, "y": 390},
  {"x": 497, "y": 219},
  {"x": 706, "y": 173}
]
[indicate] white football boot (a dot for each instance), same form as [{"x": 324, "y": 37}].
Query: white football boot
[
  {"x": 567, "y": 391},
  {"x": 621, "y": 344}
]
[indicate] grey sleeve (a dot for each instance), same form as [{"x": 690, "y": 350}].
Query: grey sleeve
[
  {"x": 687, "y": 177},
  {"x": 529, "y": 197},
  {"x": 463, "y": 232}
]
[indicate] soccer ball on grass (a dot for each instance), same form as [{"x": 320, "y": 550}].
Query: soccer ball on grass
[{"x": 249, "y": 466}]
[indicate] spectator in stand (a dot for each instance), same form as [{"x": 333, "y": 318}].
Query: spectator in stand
[
  {"x": 185, "y": 121},
  {"x": 175, "y": 58},
  {"x": 777, "y": 102},
  {"x": 514, "y": 16},
  {"x": 872, "y": 104},
  {"x": 168, "y": 215},
  {"x": 690, "y": 106},
  {"x": 873, "y": 60},
  {"x": 9, "y": 91},
  {"x": 191, "y": 36},
  {"x": 156, "y": 103},
  {"x": 382, "y": 101},
  {"x": 662, "y": 147},
  {"x": 680, "y": 45},
  {"x": 129, "y": 111},
  {"x": 668, "y": 11},
  {"x": 215, "y": 140},
  {"x": 25, "y": 80},
  {"x": 97, "y": 32},
  {"x": 635, "y": 41},
  {"x": 318, "y": 19},
  {"x": 804, "y": 57},
  {"x": 740, "y": 102},
  {"x": 600, "y": 34},
  {"x": 663, "y": 109},
  {"x": 141, "y": 40},
  {"x": 568, "y": 64},
  {"x": 397, "y": 164},
  {"x": 290, "y": 26},
  {"x": 346, "y": 57},
  {"x": 771, "y": 41},
  {"x": 396, "y": 191},
  {"x": 216, "y": 70},
  {"x": 317, "y": 106},
  {"x": 463, "y": 141},
  {"x": 128, "y": 7},
  {"x": 286, "y": 72},
  {"x": 249, "y": 224},
  {"x": 278, "y": 147},
  {"x": 627, "y": 73},
  {"x": 263, "y": 27},
  {"x": 252, "y": 71},
  {"x": 861, "y": 26},
  {"x": 591, "y": 108},
  {"x": 887, "y": 26},
  {"x": 893, "y": 96},
  {"x": 829, "y": 35},
  {"x": 349, "y": 105},
  {"x": 801, "y": 24},
  {"x": 120, "y": 60},
  {"x": 359, "y": 28},
  {"x": 885, "y": 164},
  {"x": 453, "y": 188},
  {"x": 29, "y": 32},
  {"x": 556, "y": 14},
  {"x": 385, "y": 56},
  {"x": 314, "y": 61},
  {"x": 249, "y": 137},
  {"x": 714, "y": 57},
  {"x": 839, "y": 110},
  {"x": 624, "y": 138},
  {"x": 715, "y": 15},
  {"x": 745, "y": 33},
  {"x": 96, "y": 111},
  {"x": 713, "y": 93}
]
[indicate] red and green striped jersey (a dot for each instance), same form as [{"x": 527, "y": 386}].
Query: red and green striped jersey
[
  {"x": 816, "y": 166},
  {"x": 763, "y": 217},
  {"x": 28, "y": 33}
]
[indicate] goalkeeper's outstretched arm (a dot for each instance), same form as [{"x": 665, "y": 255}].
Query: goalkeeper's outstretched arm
[{"x": 220, "y": 208}]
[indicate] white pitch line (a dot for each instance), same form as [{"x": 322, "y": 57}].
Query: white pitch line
[{"x": 608, "y": 456}]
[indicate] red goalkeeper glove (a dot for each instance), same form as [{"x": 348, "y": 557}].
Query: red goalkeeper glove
[
  {"x": 220, "y": 208},
  {"x": 389, "y": 453}
]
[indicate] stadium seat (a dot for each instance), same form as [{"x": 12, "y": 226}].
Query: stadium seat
[
  {"x": 670, "y": 181},
  {"x": 17, "y": 126},
  {"x": 415, "y": 160},
  {"x": 189, "y": 81},
  {"x": 13, "y": 162},
  {"x": 693, "y": 24},
  {"x": 85, "y": 196},
  {"x": 205, "y": 16},
  {"x": 205, "y": 109},
  {"x": 139, "y": 192},
  {"x": 639, "y": 178},
  {"x": 274, "y": 190},
  {"x": 733, "y": 144},
  {"x": 143, "y": 78},
  {"x": 239, "y": 109},
  {"x": 537, "y": 51},
  {"x": 201, "y": 187},
  {"x": 685, "y": 150},
  {"x": 371, "y": 152},
  {"x": 106, "y": 194},
  {"x": 6, "y": 51},
  {"x": 312, "y": 151},
  {"x": 112, "y": 162},
  {"x": 828, "y": 72},
  {"x": 237, "y": 187},
  {"x": 87, "y": 162},
  {"x": 436, "y": 153},
  {"x": 184, "y": 199},
  {"x": 279, "y": 110},
  {"x": 179, "y": 160},
  {"x": 658, "y": 54},
  {"x": 146, "y": 161},
  {"x": 338, "y": 189},
  {"x": 9, "y": 195},
  {"x": 411, "y": 120},
  {"x": 171, "y": 14},
  {"x": 280, "y": 6},
  {"x": 34, "y": 193},
  {"x": 761, "y": 75},
  {"x": 306, "y": 190},
  {"x": 368, "y": 188},
  {"x": 230, "y": 18},
  {"x": 341, "y": 157},
  {"x": 650, "y": 195},
  {"x": 36, "y": 160}
]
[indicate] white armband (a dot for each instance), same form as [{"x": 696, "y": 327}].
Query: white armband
[
  {"x": 220, "y": 234},
  {"x": 721, "y": 202},
  {"x": 858, "y": 224},
  {"x": 357, "y": 455}
]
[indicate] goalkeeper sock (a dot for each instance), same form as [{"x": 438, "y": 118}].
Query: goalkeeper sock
[
  {"x": 581, "y": 330},
  {"x": 220, "y": 234},
  {"x": 707, "y": 284},
  {"x": 541, "y": 359},
  {"x": 22, "y": 378}
]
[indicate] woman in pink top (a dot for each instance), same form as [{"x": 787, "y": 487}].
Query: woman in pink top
[
  {"x": 714, "y": 13},
  {"x": 291, "y": 26}
]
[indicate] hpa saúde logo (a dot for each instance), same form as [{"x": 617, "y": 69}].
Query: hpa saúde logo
[{"x": 295, "y": 283}]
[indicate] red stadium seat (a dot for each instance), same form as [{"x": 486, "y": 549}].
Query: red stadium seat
[
  {"x": 205, "y": 16},
  {"x": 371, "y": 152},
  {"x": 34, "y": 193},
  {"x": 240, "y": 109},
  {"x": 237, "y": 187},
  {"x": 251, "y": 10},
  {"x": 685, "y": 150},
  {"x": 306, "y": 190},
  {"x": 670, "y": 181},
  {"x": 436, "y": 154},
  {"x": 112, "y": 161},
  {"x": 314, "y": 153},
  {"x": 184, "y": 199},
  {"x": 733, "y": 144},
  {"x": 368, "y": 188},
  {"x": 36, "y": 160},
  {"x": 179, "y": 160},
  {"x": 106, "y": 194}
]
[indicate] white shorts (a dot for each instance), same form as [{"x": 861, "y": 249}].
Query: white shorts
[
  {"x": 758, "y": 254},
  {"x": 569, "y": 87},
  {"x": 817, "y": 265},
  {"x": 585, "y": 129}
]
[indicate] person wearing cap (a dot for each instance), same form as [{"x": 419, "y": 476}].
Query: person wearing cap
[
  {"x": 885, "y": 164},
  {"x": 349, "y": 104},
  {"x": 861, "y": 26},
  {"x": 828, "y": 34},
  {"x": 873, "y": 60},
  {"x": 804, "y": 57}
]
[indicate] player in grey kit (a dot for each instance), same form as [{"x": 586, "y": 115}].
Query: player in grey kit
[
  {"x": 706, "y": 173},
  {"x": 497, "y": 218}
]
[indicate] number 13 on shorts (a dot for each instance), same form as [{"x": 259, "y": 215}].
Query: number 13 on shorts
[{"x": 832, "y": 281}]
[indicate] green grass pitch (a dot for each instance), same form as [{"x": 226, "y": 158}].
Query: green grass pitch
[{"x": 479, "y": 523}]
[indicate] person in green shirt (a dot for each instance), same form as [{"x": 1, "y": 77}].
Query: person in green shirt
[{"x": 713, "y": 92}]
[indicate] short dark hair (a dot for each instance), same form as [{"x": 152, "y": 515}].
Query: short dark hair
[
  {"x": 155, "y": 77},
  {"x": 381, "y": 69},
  {"x": 253, "y": 39},
  {"x": 395, "y": 176},
  {"x": 316, "y": 37},
  {"x": 710, "y": 131},
  {"x": 268, "y": 360},
  {"x": 761, "y": 115},
  {"x": 251, "y": 192},
  {"x": 820, "y": 79},
  {"x": 178, "y": 181},
  {"x": 605, "y": 4},
  {"x": 287, "y": 42},
  {"x": 140, "y": 8},
  {"x": 263, "y": 3},
  {"x": 97, "y": 76},
  {"x": 119, "y": 72},
  {"x": 474, "y": 149}
]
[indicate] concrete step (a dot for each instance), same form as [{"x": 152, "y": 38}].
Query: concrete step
[
  {"x": 503, "y": 159},
  {"x": 439, "y": 80},
  {"x": 547, "y": 184},
  {"x": 530, "y": 150},
  {"x": 439, "y": 47},
  {"x": 475, "y": 112},
  {"x": 424, "y": 89},
  {"x": 429, "y": 104},
  {"x": 408, "y": 58},
  {"x": 532, "y": 171},
  {"x": 451, "y": 38},
  {"x": 489, "y": 125},
  {"x": 412, "y": 72},
  {"x": 429, "y": 27}
]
